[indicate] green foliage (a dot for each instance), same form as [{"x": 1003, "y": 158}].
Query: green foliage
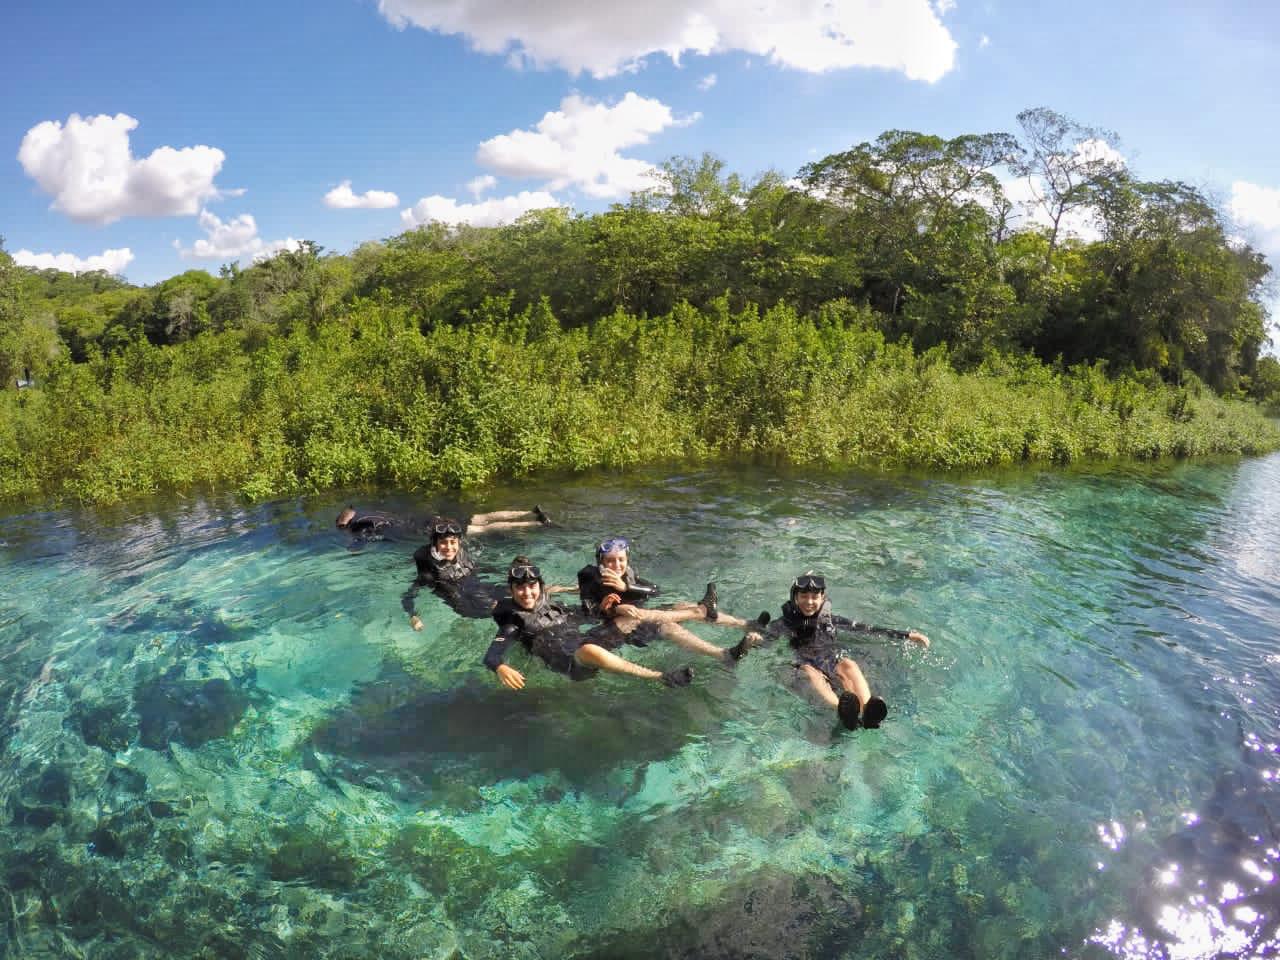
[
  {"x": 371, "y": 397},
  {"x": 882, "y": 310}
]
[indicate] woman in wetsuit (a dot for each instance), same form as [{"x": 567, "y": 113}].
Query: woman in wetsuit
[
  {"x": 610, "y": 589},
  {"x": 446, "y": 567},
  {"x": 550, "y": 631},
  {"x": 832, "y": 675}
]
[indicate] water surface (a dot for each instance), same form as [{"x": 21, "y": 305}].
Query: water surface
[{"x": 220, "y": 738}]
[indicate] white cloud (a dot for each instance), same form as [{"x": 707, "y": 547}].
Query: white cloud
[
  {"x": 604, "y": 39},
  {"x": 983, "y": 42},
  {"x": 231, "y": 240},
  {"x": 341, "y": 198},
  {"x": 484, "y": 213},
  {"x": 707, "y": 82},
  {"x": 481, "y": 184},
  {"x": 1257, "y": 210},
  {"x": 579, "y": 145},
  {"x": 89, "y": 169},
  {"x": 944, "y": 6},
  {"x": 112, "y": 261}
]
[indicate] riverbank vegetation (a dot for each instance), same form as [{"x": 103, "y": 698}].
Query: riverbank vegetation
[{"x": 884, "y": 308}]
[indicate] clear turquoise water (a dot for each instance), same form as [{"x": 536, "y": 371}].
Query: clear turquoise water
[{"x": 221, "y": 739}]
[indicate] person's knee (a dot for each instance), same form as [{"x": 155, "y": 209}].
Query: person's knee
[{"x": 588, "y": 653}]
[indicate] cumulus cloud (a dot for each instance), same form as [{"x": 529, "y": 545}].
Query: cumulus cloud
[
  {"x": 342, "y": 198},
  {"x": 482, "y": 184},
  {"x": 707, "y": 82},
  {"x": 1256, "y": 209},
  {"x": 237, "y": 237},
  {"x": 88, "y": 168},
  {"x": 604, "y": 39},
  {"x": 579, "y": 145},
  {"x": 112, "y": 261},
  {"x": 483, "y": 213}
]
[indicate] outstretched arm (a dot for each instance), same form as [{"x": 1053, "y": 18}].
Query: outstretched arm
[
  {"x": 508, "y": 676},
  {"x": 915, "y": 636},
  {"x": 409, "y": 601}
]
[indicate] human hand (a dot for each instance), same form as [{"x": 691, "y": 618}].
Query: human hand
[
  {"x": 918, "y": 637},
  {"x": 755, "y": 638},
  {"x": 510, "y": 677},
  {"x": 611, "y": 580},
  {"x": 626, "y": 610},
  {"x": 416, "y": 622}
]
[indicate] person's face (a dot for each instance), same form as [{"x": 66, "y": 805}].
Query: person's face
[
  {"x": 615, "y": 562},
  {"x": 448, "y": 547},
  {"x": 808, "y": 602},
  {"x": 526, "y": 594}
]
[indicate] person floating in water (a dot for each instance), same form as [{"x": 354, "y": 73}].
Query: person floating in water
[
  {"x": 377, "y": 525},
  {"x": 445, "y": 566},
  {"x": 811, "y": 628},
  {"x": 610, "y": 589},
  {"x": 550, "y": 631}
]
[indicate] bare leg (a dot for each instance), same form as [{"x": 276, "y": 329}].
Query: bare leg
[
  {"x": 851, "y": 677},
  {"x": 486, "y": 518},
  {"x": 681, "y": 612},
  {"x": 476, "y": 527},
  {"x": 820, "y": 686},
  {"x": 681, "y": 637},
  {"x": 591, "y": 655}
]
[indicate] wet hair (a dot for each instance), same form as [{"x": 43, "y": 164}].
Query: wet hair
[{"x": 346, "y": 516}]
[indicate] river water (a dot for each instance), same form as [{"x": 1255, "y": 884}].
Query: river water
[{"x": 220, "y": 738}]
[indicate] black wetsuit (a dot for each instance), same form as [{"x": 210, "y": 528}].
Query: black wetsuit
[
  {"x": 549, "y": 631},
  {"x": 453, "y": 581},
  {"x": 815, "y": 639},
  {"x": 593, "y": 593},
  {"x": 373, "y": 526}
]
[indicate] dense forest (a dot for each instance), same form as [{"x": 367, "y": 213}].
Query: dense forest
[{"x": 885, "y": 306}]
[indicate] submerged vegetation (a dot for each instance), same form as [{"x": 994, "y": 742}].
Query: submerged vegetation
[{"x": 884, "y": 309}]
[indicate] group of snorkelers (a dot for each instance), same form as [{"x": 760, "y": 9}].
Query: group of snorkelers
[{"x": 613, "y": 611}]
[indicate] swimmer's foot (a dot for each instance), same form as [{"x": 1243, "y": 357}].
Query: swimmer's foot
[
  {"x": 740, "y": 649},
  {"x": 849, "y": 709},
  {"x": 679, "y": 677},
  {"x": 710, "y": 602},
  {"x": 874, "y": 712},
  {"x": 542, "y": 515}
]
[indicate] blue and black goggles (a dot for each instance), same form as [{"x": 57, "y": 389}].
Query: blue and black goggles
[{"x": 613, "y": 545}]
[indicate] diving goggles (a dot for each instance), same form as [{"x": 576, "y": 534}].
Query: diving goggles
[
  {"x": 809, "y": 583},
  {"x": 523, "y": 573},
  {"x": 446, "y": 528},
  {"x": 613, "y": 545}
]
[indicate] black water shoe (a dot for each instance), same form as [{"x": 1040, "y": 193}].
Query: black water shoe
[
  {"x": 874, "y": 712},
  {"x": 543, "y": 517},
  {"x": 710, "y": 602},
  {"x": 849, "y": 709},
  {"x": 740, "y": 649},
  {"x": 679, "y": 677}
]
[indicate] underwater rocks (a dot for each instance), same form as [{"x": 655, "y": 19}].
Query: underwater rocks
[
  {"x": 108, "y": 726},
  {"x": 190, "y": 712}
]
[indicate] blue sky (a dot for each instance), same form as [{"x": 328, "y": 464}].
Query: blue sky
[{"x": 152, "y": 138}]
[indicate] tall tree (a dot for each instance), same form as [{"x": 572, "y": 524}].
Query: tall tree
[{"x": 1062, "y": 162}]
